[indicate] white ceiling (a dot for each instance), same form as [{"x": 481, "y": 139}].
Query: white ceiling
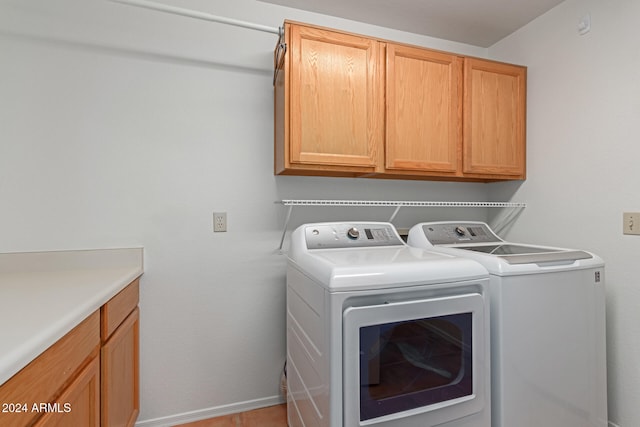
[{"x": 476, "y": 22}]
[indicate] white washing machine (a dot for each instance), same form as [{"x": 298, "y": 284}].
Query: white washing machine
[
  {"x": 547, "y": 325},
  {"x": 381, "y": 334}
]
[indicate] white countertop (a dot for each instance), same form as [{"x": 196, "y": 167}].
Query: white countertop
[{"x": 44, "y": 295}]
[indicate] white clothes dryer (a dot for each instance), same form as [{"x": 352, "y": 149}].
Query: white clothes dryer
[
  {"x": 548, "y": 344},
  {"x": 381, "y": 334}
]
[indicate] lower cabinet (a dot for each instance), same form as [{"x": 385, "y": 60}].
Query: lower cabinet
[{"x": 88, "y": 378}]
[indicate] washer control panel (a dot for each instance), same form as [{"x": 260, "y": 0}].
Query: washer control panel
[
  {"x": 351, "y": 235},
  {"x": 448, "y": 233}
]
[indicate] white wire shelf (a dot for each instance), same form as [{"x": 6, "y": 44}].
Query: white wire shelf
[
  {"x": 515, "y": 206},
  {"x": 402, "y": 203}
]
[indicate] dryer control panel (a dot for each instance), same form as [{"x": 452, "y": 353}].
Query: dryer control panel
[
  {"x": 449, "y": 233},
  {"x": 351, "y": 235}
]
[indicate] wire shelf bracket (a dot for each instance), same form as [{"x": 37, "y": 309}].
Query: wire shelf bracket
[{"x": 516, "y": 208}]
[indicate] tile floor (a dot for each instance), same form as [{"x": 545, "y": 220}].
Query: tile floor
[{"x": 273, "y": 416}]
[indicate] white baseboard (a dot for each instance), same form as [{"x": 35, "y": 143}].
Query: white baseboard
[
  {"x": 215, "y": 411},
  {"x": 218, "y": 411}
]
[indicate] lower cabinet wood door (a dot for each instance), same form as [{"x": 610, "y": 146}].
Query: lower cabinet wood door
[
  {"x": 120, "y": 374},
  {"x": 79, "y": 404}
]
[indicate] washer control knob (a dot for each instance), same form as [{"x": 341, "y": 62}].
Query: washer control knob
[
  {"x": 353, "y": 233},
  {"x": 460, "y": 230}
]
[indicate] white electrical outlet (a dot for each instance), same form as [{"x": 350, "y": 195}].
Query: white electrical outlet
[
  {"x": 219, "y": 221},
  {"x": 631, "y": 223}
]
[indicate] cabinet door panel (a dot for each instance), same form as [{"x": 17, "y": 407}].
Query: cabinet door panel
[
  {"x": 120, "y": 374},
  {"x": 494, "y": 117},
  {"x": 424, "y": 114},
  {"x": 335, "y": 105},
  {"x": 79, "y": 405}
]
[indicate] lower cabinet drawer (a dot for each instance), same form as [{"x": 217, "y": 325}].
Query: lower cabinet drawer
[{"x": 118, "y": 308}]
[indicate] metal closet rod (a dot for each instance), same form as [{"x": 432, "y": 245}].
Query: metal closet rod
[
  {"x": 385, "y": 203},
  {"x": 147, "y": 4}
]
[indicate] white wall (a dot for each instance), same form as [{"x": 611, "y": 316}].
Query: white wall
[
  {"x": 121, "y": 126},
  {"x": 583, "y": 110}
]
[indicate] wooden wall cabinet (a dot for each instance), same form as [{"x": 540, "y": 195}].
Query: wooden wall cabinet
[
  {"x": 329, "y": 105},
  {"x": 88, "y": 378},
  {"x": 349, "y": 105}
]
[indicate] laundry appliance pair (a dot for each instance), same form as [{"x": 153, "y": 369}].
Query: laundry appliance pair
[{"x": 385, "y": 334}]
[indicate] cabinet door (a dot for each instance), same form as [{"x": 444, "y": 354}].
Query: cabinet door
[
  {"x": 79, "y": 404},
  {"x": 424, "y": 116},
  {"x": 494, "y": 119},
  {"x": 120, "y": 374},
  {"x": 336, "y": 115}
]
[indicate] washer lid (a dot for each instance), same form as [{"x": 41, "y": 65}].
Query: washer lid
[
  {"x": 525, "y": 254},
  {"x": 475, "y": 240}
]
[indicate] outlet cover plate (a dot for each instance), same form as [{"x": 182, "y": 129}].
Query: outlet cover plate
[
  {"x": 219, "y": 222},
  {"x": 631, "y": 223}
]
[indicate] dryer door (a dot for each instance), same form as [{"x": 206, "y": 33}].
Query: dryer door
[{"x": 425, "y": 360}]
